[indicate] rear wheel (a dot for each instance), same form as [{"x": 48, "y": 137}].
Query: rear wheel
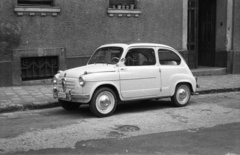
[
  {"x": 104, "y": 102},
  {"x": 182, "y": 95},
  {"x": 69, "y": 105}
]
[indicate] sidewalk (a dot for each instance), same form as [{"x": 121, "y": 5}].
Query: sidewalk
[
  {"x": 40, "y": 96},
  {"x": 26, "y": 97}
]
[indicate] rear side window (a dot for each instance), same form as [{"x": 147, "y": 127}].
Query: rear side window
[{"x": 168, "y": 57}]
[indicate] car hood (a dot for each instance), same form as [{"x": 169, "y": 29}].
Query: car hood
[{"x": 89, "y": 69}]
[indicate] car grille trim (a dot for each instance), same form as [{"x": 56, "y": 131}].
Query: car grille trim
[{"x": 69, "y": 84}]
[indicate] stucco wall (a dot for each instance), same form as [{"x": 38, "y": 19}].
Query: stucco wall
[
  {"x": 83, "y": 25},
  {"x": 221, "y": 25},
  {"x": 236, "y": 38},
  {"x": 236, "y": 26},
  {"x": 221, "y": 29}
]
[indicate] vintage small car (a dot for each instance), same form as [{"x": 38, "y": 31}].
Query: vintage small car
[{"x": 125, "y": 72}]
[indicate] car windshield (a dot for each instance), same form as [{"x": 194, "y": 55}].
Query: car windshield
[{"x": 108, "y": 55}]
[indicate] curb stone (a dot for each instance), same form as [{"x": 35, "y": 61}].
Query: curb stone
[
  {"x": 214, "y": 91},
  {"x": 28, "y": 106}
]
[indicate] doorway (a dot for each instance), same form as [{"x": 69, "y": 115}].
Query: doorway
[
  {"x": 206, "y": 32},
  {"x": 201, "y": 32}
]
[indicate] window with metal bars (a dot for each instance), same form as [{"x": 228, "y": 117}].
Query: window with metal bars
[
  {"x": 37, "y": 68},
  {"x": 35, "y": 2},
  {"x": 122, "y": 4}
]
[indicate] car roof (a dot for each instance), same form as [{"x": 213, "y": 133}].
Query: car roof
[{"x": 126, "y": 45}]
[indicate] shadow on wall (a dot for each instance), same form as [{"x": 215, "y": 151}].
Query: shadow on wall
[{"x": 9, "y": 39}]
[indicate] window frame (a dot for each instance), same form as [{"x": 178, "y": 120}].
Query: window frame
[
  {"x": 37, "y": 5},
  {"x": 122, "y": 10},
  {"x": 122, "y": 4},
  {"x": 144, "y": 55},
  {"x": 106, "y": 49},
  {"x": 170, "y": 62},
  {"x": 33, "y": 10}
]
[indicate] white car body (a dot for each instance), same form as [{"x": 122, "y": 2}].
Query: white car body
[{"x": 127, "y": 82}]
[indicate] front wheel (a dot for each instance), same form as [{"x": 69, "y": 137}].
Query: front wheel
[
  {"x": 182, "y": 95},
  {"x": 69, "y": 105},
  {"x": 104, "y": 102}
]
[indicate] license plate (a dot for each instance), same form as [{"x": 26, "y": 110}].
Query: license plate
[{"x": 62, "y": 95}]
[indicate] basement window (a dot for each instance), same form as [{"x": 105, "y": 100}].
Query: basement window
[
  {"x": 126, "y": 8},
  {"x": 38, "y": 68},
  {"x": 35, "y": 2}
]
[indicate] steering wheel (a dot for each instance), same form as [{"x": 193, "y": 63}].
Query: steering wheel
[{"x": 115, "y": 59}]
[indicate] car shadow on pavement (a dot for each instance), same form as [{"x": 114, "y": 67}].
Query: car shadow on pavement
[
  {"x": 82, "y": 112},
  {"x": 142, "y": 106},
  {"x": 122, "y": 108}
]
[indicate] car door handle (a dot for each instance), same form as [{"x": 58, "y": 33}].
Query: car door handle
[{"x": 123, "y": 69}]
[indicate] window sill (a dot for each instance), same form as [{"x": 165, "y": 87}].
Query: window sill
[
  {"x": 122, "y": 12},
  {"x": 32, "y": 11}
]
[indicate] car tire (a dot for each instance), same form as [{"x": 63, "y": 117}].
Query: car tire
[
  {"x": 69, "y": 105},
  {"x": 182, "y": 95},
  {"x": 104, "y": 102}
]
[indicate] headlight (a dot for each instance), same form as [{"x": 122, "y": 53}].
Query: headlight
[
  {"x": 54, "y": 81},
  {"x": 81, "y": 81}
]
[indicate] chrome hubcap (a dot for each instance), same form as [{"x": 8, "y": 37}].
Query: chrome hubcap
[
  {"x": 183, "y": 94},
  {"x": 105, "y": 102}
]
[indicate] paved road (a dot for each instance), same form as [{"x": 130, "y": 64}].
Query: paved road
[{"x": 209, "y": 125}]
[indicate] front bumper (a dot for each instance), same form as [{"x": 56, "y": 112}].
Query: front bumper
[
  {"x": 197, "y": 86},
  {"x": 69, "y": 96}
]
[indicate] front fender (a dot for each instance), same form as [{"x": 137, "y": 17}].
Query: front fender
[{"x": 91, "y": 87}]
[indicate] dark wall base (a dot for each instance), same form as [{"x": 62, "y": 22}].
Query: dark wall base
[
  {"x": 5, "y": 73},
  {"x": 221, "y": 58},
  {"x": 233, "y": 62},
  {"x": 184, "y": 55},
  {"x": 236, "y": 62}
]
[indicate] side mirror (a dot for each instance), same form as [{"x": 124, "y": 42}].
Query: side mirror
[{"x": 123, "y": 60}]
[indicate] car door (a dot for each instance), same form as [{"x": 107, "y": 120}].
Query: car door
[
  {"x": 171, "y": 68},
  {"x": 140, "y": 75}
]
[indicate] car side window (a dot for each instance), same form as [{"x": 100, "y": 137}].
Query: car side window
[
  {"x": 140, "y": 57},
  {"x": 168, "y": 57}
]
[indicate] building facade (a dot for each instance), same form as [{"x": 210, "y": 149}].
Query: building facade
[{"x": 39, "y": 37}]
